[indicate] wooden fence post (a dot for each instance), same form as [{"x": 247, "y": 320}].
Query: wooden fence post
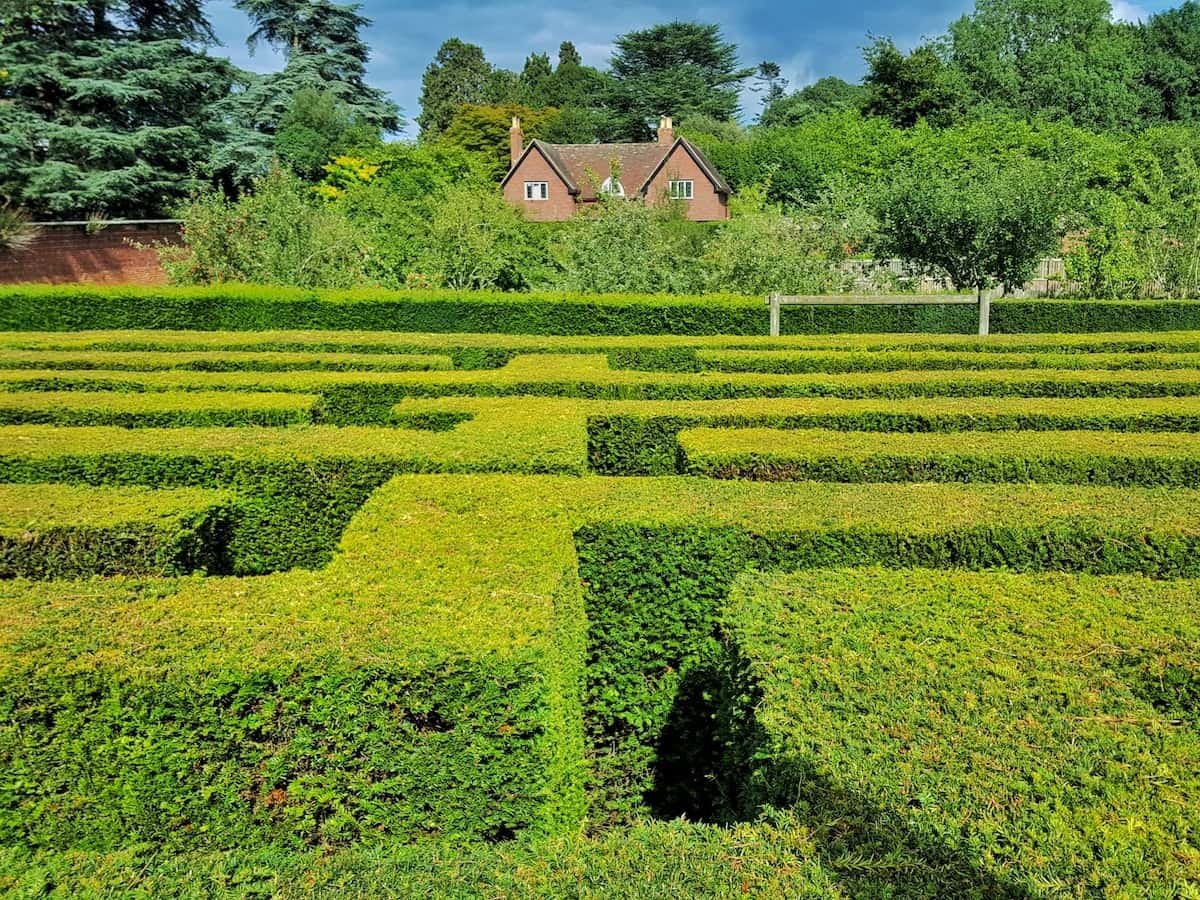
[
  {"x": 773, "y": 300},
  {"x": 985, "y": 311}
]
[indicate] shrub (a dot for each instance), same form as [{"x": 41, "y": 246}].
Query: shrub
[{"x": 280, "y": 233}]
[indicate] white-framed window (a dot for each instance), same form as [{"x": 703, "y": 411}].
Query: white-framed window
[
  {"x": 537, "y": 190},
  {"x": 611, "y": 188},
  {"x": 682, "y": 189}
]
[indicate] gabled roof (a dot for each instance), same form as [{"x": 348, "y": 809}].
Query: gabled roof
[
  {"x": 700, "y": 159},
  {"x": 583, "y": 166},
  {"x": 548, "y": 153}
]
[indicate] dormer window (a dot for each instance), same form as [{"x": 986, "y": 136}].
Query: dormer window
[
  {"x": 537, "y": 190},
  {"x": 612, "y": 188}
]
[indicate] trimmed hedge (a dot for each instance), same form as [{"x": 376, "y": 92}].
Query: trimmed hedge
[
  {"x": 801, "y": 362},
  {"x": 221, "y": 361},
  {"x": 168, "y": 409},
  {"x": 414, "y": 689},
  {"x": 1064, "y": 457},
  {"x": 642, "y": 438},
  {"x": 451, "y": 622},
  {"x": 588, "y": 376},
  {"x": 60, "y": 531},
  {"x": 233, "y": 307},
  {"x": 656, "y": 577},
  {"x": 297, "y": 488},
  {"x": 974, "y": 734},
  {"x": 650, "y": 861}
]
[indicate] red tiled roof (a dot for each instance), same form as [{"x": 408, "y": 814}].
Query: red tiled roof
[{"x": 585, "y": 166}]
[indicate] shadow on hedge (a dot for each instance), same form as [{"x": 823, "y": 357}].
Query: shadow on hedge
[{"x": 713, "y": 764}]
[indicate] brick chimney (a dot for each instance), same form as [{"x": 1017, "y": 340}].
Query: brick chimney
[
  {"x": 516, "y": 140},
  {"x": 666, "y": 134}
]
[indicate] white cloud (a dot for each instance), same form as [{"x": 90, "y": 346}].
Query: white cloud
[{"x": 1123, "y": 11}]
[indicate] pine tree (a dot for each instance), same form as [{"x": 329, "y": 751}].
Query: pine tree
[
  {"x": 678, "y": 69},
  {"x": 325, "y": 53},
  {"x": 458, "y": 75},
  {"x": 106, "y": 106}
]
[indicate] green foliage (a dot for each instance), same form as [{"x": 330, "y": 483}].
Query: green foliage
[
  {"x": 913, "y": 88},
  {"x": 458, "y": 75},
  {"x": 247, "y": 308},
  {"x": 316, "y": 128},
  {"x": 621, "y": 246},
  {"x": 17, "y": 231},
  {"x": 106, "y": 106},
  {"x": 280, "y": 233},
  {"x": 680, "y": 69},
  {"x": 1064, "y": 457},
  {"x": 825, "y": 95},
  {"x": 60, "y": 531},
  {"x": 1060, "y": 59},
  {"x": 484, "y": 130},
  {"x": 980, "y": 227},
  {"x": 477, "y": 241},
  {"x": 944, "y": 756}
]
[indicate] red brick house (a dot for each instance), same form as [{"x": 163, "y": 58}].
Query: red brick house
[{"x": 550, "y": 181}]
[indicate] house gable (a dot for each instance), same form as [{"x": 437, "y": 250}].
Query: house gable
[
  {"x": 550, "y": 159},
  {"x": 701, "y": 162}
]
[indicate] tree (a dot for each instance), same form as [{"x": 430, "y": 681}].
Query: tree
[
  {"x": 983, "y": 227},
  {"x": 1172, "y": 47},
  {"x": 325, "y": 51},
  {"x": 678, "y": 69},
  {"x": 822, "y": 96},
  {"x": 106, "y": 106},
  {"x": 1063, "y": 59},
  {"x": 459, "y": 74},
  {"x": 485, "y": 130},
  {"x": 316, "y": 127},
  {"x": 536, "y": 77},
  {"x": 769, "y": 82},
  {"x": 908, "y": 89}
]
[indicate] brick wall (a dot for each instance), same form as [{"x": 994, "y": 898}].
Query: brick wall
[
  {"x": 706, "y": 204},
  {"x": 62, "y": 254},
  {"x": 557, "y": 207}
]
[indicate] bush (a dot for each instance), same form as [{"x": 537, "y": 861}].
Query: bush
[
  {"x": 247, "y": 308},
  {"x": 59, "y": 531},
  {"x": 279, "y": 234}
]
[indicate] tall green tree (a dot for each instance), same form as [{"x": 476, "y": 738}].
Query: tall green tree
[
  {"x": 678, "y": 69},
  {"x": 1172, "y": 62},
  {"x": 1062, "y": 59},
  {"x": 907, "y": 89},
  {"x": 324, "y": 52},
  {"x": 459, "y": 74},
  {"x": 106, "y": 106}
]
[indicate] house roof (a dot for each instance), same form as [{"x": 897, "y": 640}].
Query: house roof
[{"x": 583, "y": 166}]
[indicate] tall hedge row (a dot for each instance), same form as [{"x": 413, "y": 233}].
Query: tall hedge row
[{"x": 240, "y": 308}]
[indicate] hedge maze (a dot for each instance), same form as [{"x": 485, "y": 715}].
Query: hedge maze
[{"x": 882, "y": 615}]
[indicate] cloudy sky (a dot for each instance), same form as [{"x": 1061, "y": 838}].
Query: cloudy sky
[{"x": 808, "y": 38}]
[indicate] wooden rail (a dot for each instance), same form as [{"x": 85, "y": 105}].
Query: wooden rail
[{"x": 983, "y": 300}]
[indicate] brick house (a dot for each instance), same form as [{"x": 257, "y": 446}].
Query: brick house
[{"x": 550, "y": 181}]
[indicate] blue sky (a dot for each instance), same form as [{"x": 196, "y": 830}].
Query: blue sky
[{"x": 808, "y": 39}]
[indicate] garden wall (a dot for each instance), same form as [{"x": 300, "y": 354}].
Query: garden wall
[{"x": 66, "y": 253}]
